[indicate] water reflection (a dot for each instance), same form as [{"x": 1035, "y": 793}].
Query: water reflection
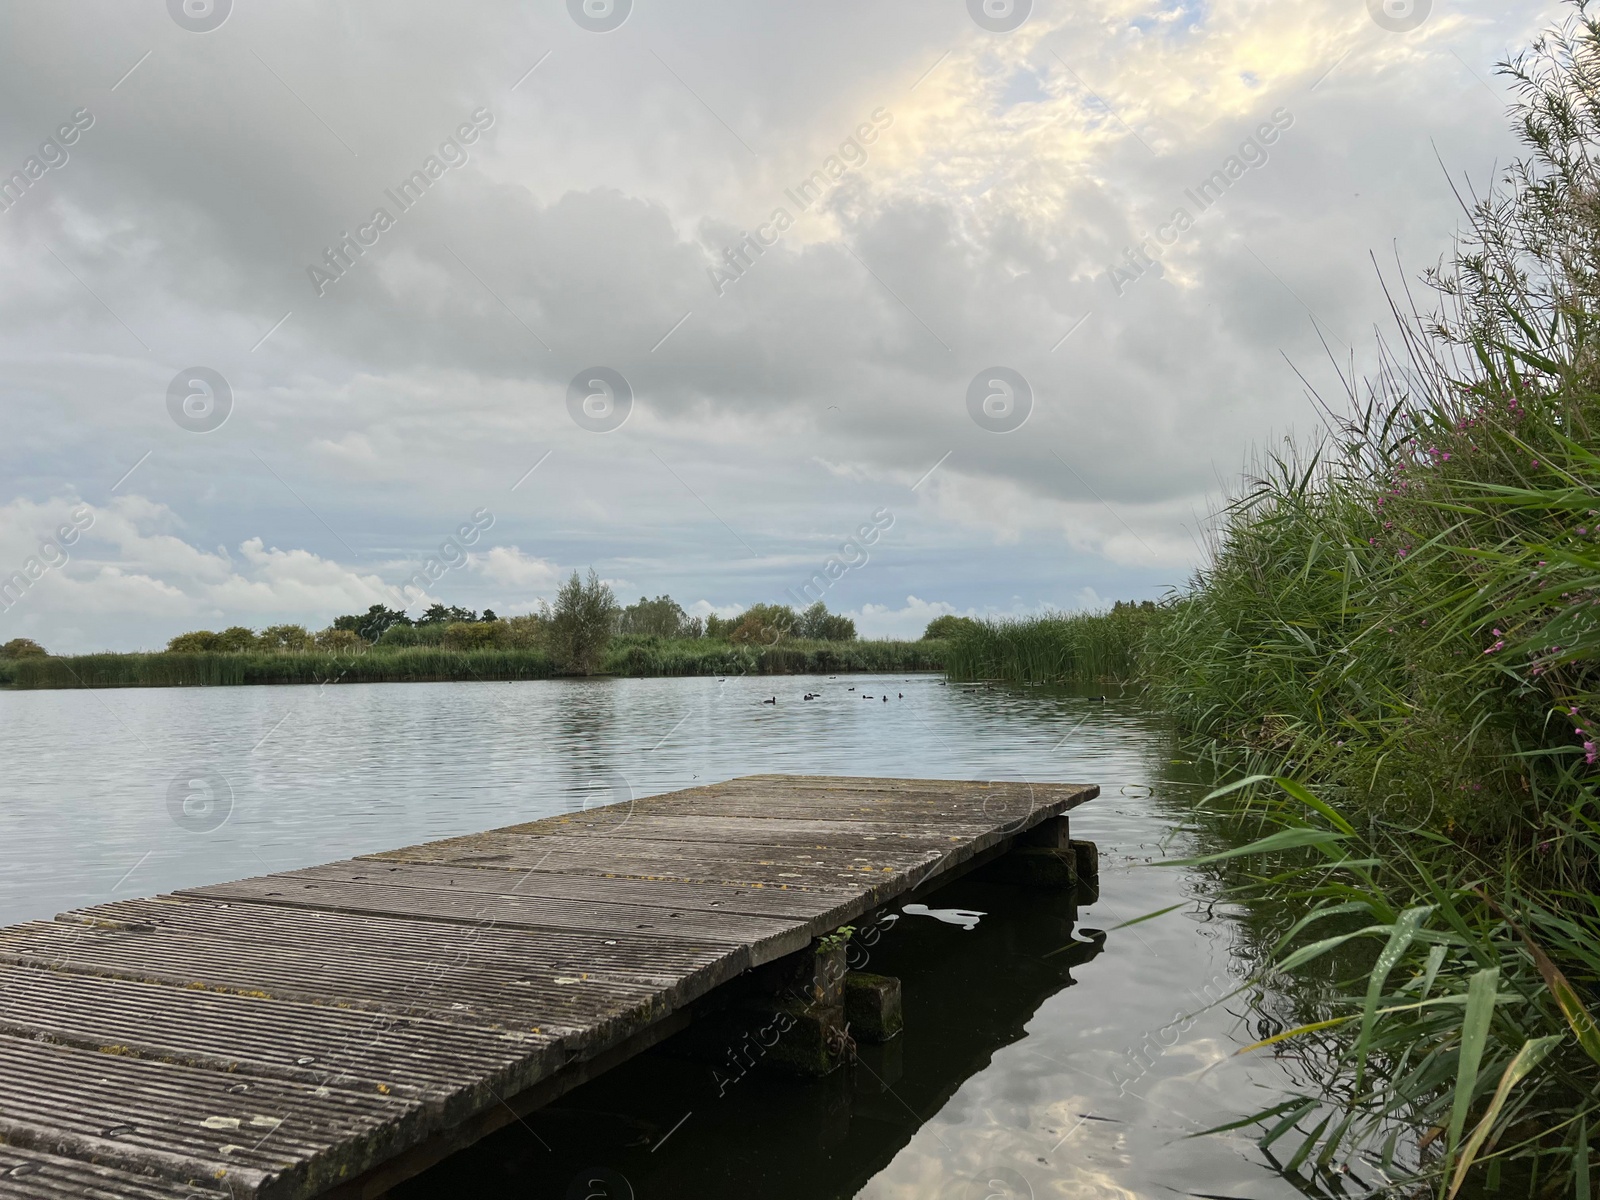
[{"x": 1025, "y": 1069}]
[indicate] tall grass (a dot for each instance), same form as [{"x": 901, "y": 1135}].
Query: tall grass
[
  {"x": 409, "y": 664},
  {"x": 1087, "y": 648},
  {"x": 387, "y": 664},
  {"x": 1407, "y": 614},
  {"x": 1450, "y": 1037},
  {"x": 638, "y": 655}
]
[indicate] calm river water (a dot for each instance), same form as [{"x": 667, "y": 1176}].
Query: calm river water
[{"x": 1031, "y": 1065}]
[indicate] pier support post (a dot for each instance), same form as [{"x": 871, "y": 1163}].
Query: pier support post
[
  {"x": 1038, "y": 866},
  {"x": 1086, "y": 860},
  {"x": 1053, "y": 834},
  {"x": 872, "y": 1005},
  {"x": 804, "y": 993},
  {"x": 1046, "y": 856}
]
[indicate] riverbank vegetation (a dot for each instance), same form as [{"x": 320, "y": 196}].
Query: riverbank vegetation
[
  {"x": 1406, "y": 617},
  {"x": 585, "y": 632},
  {"x": 1064, "y": 648}
]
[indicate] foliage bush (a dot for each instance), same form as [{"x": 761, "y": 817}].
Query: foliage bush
[
  {"x": 22, "y": 648},
  {"x": 948, "y": 626},
  {"x": 662, "y": 617},
  {"x": 580, "y": 624}
]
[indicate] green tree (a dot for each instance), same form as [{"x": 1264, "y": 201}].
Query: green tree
[
  {"x": 236, "y": 639},
  {"x": 23, "y": 648},
  {"x": 819, "y": 625},
  {"x": 339, "y": 640},
  {"x": 199, "y": 641},
  {"x": 288, "y": 638},
  {"x": 948, "y": 626},
  {"x": 372, "y": 624},
  {"x": 662, "y": 617},
  {"x": 441, "y": 614},
  {"x": 763, "y": 624},
  {"x": 580, "y": 624}
]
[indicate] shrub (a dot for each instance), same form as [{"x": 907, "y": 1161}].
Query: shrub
[
  {"x": 22, "y": 648},
  {"x": 528, "y": 632},
  {"x": 476, "y": 635},
  {"x": 662, "y": 617},
  {"x": 236, "y": 638},
  {"x": 580, "y": 624},
  {"x": 289, "y": 638},
  {"x": 948, "y": 626},
  {"x": 233, "y": 640},
  {"x": 198, "y": 642},
  {"x": 431, "y": 634},
  {"x": 818, "y": 624},
  {"x": 339, "y": 640}
]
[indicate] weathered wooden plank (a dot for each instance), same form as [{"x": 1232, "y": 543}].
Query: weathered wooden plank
[
  {"x": 264, "y": 1136},
  {"x": 763, "y": 829},
  {"x": 775, "y": 903},
  {"x": 777, "y": 866},
  {"x": 412, "y": 1058},
  {"x": 36, "y": 1175},
  {"x": 997, "y": 805},
  {"x": 571, "y": 984},
  {"x": 766, "y": 936},
  {"x": 373, "y": 1010}
]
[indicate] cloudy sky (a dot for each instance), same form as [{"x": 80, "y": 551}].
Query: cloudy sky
[{"x": 609, "y": 220}]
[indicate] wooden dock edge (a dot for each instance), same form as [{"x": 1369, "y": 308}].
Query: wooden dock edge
[{"x": 380, "y": 1180}]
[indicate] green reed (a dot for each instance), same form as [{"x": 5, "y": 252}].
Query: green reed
[
  {"x": 1409, "y": 615},
  {"x": 1081, "y": 648},
  {"x": 385, "y": 664}
]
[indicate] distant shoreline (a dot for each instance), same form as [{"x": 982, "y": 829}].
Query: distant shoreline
[{"x": 625, "y": 658}]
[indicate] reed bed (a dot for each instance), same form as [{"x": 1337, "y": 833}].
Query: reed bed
[
  {"x": 1435, "y": 1015},
  {"x": 1408, "y": 614},
  {"x": 385, "y": 664},
  {"x": 710, "y": 656},
  {"x": 1076, "y": 648},
  {"x": 411, "y": 664}
]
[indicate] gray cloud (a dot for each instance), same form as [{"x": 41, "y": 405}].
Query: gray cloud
[{"x": 977, "y": 231}]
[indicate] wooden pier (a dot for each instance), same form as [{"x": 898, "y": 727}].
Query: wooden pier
[{"x": 335, "y": 1030}]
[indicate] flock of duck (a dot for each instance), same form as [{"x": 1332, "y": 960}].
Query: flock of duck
[{"x": 864, "y": 696}]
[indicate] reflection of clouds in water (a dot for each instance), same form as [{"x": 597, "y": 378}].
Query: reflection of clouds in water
[{"x": 964, "y": 917}]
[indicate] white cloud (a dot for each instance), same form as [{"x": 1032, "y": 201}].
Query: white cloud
[
  {"x": 980, "y": 229},
  {"x": 704, "y": 609},
  {"x": 126, "y": 573},
  {"x": 908, "y": 621},
  {"x": 509, "y": 567}
]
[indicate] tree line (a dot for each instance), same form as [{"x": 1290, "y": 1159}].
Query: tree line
[{"x": 575, "y": 630}]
